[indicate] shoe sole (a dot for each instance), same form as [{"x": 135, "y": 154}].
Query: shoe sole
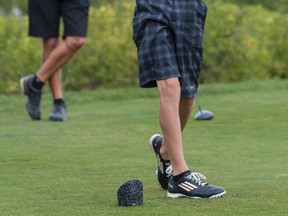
[
  {"x": 22, "y": 80},
  {"x": 57, "y": 119},
  {"x": 22, "y": 83},
  {"x": 179, "y": 195},
  {"x": 151, "y": 141}
]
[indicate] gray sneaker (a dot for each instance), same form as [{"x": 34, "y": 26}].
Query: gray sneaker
[
  {"x": 33, "y": 97},
  {"x": 58, "y": 112}
]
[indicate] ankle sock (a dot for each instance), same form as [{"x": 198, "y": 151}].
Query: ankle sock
[
  {"x": 181, "y": 175},
  {"x": 37, "y": 84}
]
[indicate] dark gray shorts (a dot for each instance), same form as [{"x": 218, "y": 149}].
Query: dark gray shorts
[
  {"x": 44, "y": 17},
  {"x": 169, "y": 38}
]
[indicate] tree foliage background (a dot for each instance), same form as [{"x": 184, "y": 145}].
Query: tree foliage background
[
  {"x": 243, "y": 41},
  {"x": 279, "y": 5}
]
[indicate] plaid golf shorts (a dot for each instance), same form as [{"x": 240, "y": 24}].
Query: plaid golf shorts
[{"x": 169, "y": 38}]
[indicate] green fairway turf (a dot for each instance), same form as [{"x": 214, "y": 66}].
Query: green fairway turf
[{"x": 76, "y": 167}]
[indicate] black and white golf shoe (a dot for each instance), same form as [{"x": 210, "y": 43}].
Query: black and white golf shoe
[
  {"x": 191, "y": 186},
  {"x": 164, "y": 170}
]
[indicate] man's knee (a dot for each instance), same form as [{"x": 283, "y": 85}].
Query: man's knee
[
  {"x": 169, "y": 86},
  {"x": 75, "y": 43}
]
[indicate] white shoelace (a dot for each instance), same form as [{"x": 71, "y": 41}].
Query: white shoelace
[{"x": 197, "y": 178}]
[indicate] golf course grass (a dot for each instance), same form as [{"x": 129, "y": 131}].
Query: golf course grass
[{"x": 76, "y": 167}]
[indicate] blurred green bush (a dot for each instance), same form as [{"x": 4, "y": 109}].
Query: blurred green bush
[
  {"x": 244, "y": 43},
  {"x": 241, "y": 43},
  {"x": 109, "y": 59}
]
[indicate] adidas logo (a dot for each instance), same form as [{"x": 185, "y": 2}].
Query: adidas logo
[{"x": 187, "y": 186}]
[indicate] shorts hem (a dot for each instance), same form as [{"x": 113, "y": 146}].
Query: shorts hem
[{"x": 152, "y": 82}]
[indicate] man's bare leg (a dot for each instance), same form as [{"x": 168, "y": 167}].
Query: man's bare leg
[
  {"x": 59, "y": 57},
  {"x": 185, "y": 109},
  {"x": 54, "y": 57},
  {"x": 169, "y": 118},
  {"x": 55, "y": 81}
]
